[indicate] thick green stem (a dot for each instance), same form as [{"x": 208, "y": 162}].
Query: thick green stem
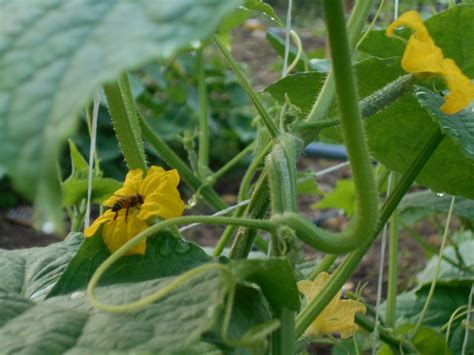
[
  {"x": 170, "y": 157},
  {"x": 350, "y": 263},
  {"x": 326, "y": 96},
  {"x": 364, "y": 221},
  {"x": 392, "y": 264},
  {"x": 125, "y": 121},
  {"x": 395, "y": 342},
  {"x": 267, "y": 121},
  {"x": 203, "y": 152}
]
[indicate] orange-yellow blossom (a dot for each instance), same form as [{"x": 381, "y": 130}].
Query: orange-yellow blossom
[
  {"x": 423, "y": 56},
  {"x": 161, "y": 198},
  {"x": 337, "y": 317}
]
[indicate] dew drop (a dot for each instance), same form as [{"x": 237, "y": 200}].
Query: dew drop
[
  {"x": 182, "y": 246},
  {"x": 48, "y": 227},
  {"x": 440, "y": 194},
  {"x": 77, "y": 295}
]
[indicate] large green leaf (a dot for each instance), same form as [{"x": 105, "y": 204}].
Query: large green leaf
[
  {"x": 459, "y": 127},
  {"x": 166, "y": 255},
  {"x": 449, "y": 274},
  {"x": 55, "y": 54},
  {"x": 274, "y": 276},
  {"x": 445, "y": 301},
  {"x": 32, "y": 272},
  {"x": 397, "y": 134},
  {"x": 68, "y": 324},
  {"x": 429, "y": 202}
]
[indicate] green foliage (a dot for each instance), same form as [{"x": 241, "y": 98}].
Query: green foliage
[
  {"x": 461, "y": 252},
  {"x": 51, "y": 90},
  {"x": 68, "y": 323},
  {"x": 166, "y": 255},
  {"x": 341, "y": 197},
  {"x": 306, "y": 183},
  {"x": 31, "y": 273}
]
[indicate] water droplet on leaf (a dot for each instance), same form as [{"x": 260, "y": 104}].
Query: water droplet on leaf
[{"x": 182, "y": 246}]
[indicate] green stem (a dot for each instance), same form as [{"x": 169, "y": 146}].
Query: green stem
[
  {"x": 395, "y": 342},
  {"x": 267, "y": 121},
  {"x": 283, "y": 339},
  {"x": 350, "y": 263},
  {"x": 125, "y": 121},
  {"x": 323, "y": 266},
  {"x": 392, "y": 264},
  {"x": 89, "y": 128},
  {"x": 364, "y": 221},
  {"x": 203, "y": 153},
  {"x": 243, "y": 194},
  {"x": 436, "y": 272},
  {"x": 219, "y": 173},
  {"x": 326, "y": 96},
  {"x": 170, "y": 157}
]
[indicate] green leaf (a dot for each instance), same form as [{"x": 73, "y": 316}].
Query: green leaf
[
  {"x": 378, "y": 44},
  {"x": 427, "y": 341},
  {"x": 264, "y": 8},
  {"x": 75, "y": 190},
  {"x": 444, "y": 302},
  {"x": 32, "y": 272},
  {"x": 430, "y": 202},
  {"x": 68, "y": 324},
  {"x": 301, "y": 89},
  {"x": 79, "y": 166},
  {"x": 306, "y": 183},
  {"x": 274, "y": 276},
  {"x": 166, "y": 255},
  {"x": 56, "y": 54},
  {"x": 341, "y": 197},
  {"x": 397, "y": 134},
  {"x": 458, "y": 127},
  {"x": 448, "y": 273}
]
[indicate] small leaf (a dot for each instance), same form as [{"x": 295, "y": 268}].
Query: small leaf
[
  {"x": 306, "y": 183},
  {"x": 341, "y": 197},
  {"x": 264, "y": 8},
  {"x": 75, "y": 190},
  {"x": 301, "y": 89},
  {"x": 79, "y": 166}
]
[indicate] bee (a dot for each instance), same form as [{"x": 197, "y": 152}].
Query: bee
[{"x": 127, "y": 202}]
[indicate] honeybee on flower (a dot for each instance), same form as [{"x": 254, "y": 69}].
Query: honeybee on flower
[{"x": 140, "y": 199}]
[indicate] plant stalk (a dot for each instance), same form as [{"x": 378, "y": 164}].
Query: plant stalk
[
  {"x": 125, "y": 121},
  {"x": 350, "y": 263},
  {"x": 203, "y": 150}
]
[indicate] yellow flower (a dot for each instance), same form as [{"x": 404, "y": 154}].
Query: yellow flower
[
  {"x": 140, "y": 198},
  {"x": 337, "y": 317},
  {"x": 423, "y": 56}
]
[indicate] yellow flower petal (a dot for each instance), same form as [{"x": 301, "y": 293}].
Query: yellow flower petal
[
  {"x": 161, "y": 198},
  {"x": 120, "y": 231},
  {"x": 92, "y": 229},
  {"x": 413, "y": 20},
  {"x": 337, "y": 317},
  {"x": 423, "y": 56}
]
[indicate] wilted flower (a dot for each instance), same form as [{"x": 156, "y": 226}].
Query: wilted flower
[
  {"x": 140, "y": 198},
  {"x": 337, "y": 317},
  {"x": 423, "y": 56}
]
